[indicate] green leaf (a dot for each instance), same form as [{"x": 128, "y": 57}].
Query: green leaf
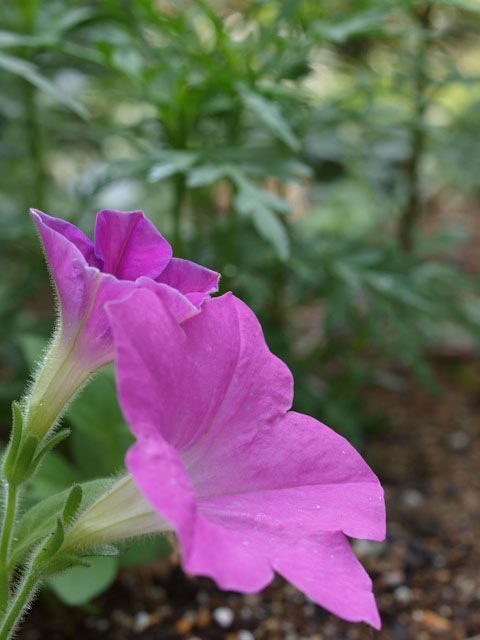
[
  {"x": 30, "y": 73},
  {"x": 172, "y": 163},
  {"x": 33, "y": 348},
  {"x": 145, "y": 551},
  {"x": 79, "y": 585},
  {"x": 269, "y": 113},
  {"x": 206, "y": 175},
  {"x": 259, "y": 205},
  {"x": 12, "y": 39},
  {"x": 100, "y": 436},
  {"x": 362, "y": 24}
]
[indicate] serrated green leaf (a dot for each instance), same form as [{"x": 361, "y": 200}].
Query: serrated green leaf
[
  {"x": 30, "y": 73},
  {"x": 206, "y": 175},
  {"x": 269, "y": 113},
  {"x": 259, "y": 205},
  {"x": 172, "y": 163}
]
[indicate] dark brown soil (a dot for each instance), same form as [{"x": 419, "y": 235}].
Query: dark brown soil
[{"x": 426, "y": 574}]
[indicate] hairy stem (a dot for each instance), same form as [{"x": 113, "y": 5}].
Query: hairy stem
[
  {"x": 19, "y": 603},
  {"x": 11, "y": 493}
]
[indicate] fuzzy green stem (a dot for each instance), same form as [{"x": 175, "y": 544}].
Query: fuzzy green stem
[
  {"x": 19, "y": 603},
  {"x": 5, "y": 539}
]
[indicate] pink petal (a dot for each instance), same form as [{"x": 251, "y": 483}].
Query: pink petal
[
  {"x": 325, "y": 569},
  {"x": 291, "y": 475},
  {"x": 129, "y": 246},
  {"x": 207, "y": 549},
  {"x": 67, "y": 265},
  {"x": 322, "y": 566},
  {"x": 69, "y": 231},
  {"x": 213, "y": 390},
  {"x": 195, "y": 281},
  {"x": 178, "y": 304},
  {"x": 264, "y": 488},
  {"x": 214, "y": 372}
]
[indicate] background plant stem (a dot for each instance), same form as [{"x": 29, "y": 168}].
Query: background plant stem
[
  {"x": 35, "y": 145},
  {"x": 413, "y": 204}
]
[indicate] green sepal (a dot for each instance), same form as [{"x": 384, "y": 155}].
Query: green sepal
[
  {"x": 62, "y": 562},
  {"x": 72, "y": 504},
  {"x": 16, "y": 437},
  {"x": 52, "y": 544},
  {"x": 21, "y": 468},
  {"x": 39, "y": 521},
  {"x": 50, "y": 444}
]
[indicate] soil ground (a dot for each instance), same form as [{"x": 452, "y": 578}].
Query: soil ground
[{"x": 426, "y": 575}]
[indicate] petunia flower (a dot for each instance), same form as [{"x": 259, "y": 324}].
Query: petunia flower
[
  {"x": 127, "y": 252},
  {"x": 250, "y": 487}
]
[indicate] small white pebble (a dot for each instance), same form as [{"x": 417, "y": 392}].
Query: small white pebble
[
  {"x": 403, "y": 595},
  {"x": 141, "y": 621},
  {"x": 412, "y": 498},
  {"x": 223, "y": 616},
  {"x": 245, "y": 635},
  {"x": 459, "y": 440},
  {"x": 417, "y": 615},
  {"x": 394, "y": 578}
]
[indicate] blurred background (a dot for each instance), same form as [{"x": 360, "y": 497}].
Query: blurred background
[{"x": 324, "y": 157}]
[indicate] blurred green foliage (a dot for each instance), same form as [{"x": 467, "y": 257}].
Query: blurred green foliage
[{"x": 296, "y": 146}]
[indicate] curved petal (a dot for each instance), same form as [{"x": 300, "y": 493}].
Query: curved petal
[
  {"x": 191, "y": 279},
  {"x": 325, "y": 568},
  {"x": 322, "y": 566},
  {"x": 67, "y": 265},
  {"x": 213, "y": 390},
  {"x": 177, "y": 303},
  {"x": 207, "y": 549},
  {"x": 129, "y": 246},
  {"x": 93, "y": 341},
  {"x": 295, "y": 474},
  {"x": 213, "y": 370},
  {"x": 69, "y": 231}
]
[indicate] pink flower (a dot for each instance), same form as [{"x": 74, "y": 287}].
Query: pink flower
[
  {"x": 128, "y": 252},
  {"x": 249, "y": 486}
]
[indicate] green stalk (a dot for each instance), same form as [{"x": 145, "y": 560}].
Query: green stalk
[
  {"x": 20, "y": 602},
  {"x": 5, "y": 539}
]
